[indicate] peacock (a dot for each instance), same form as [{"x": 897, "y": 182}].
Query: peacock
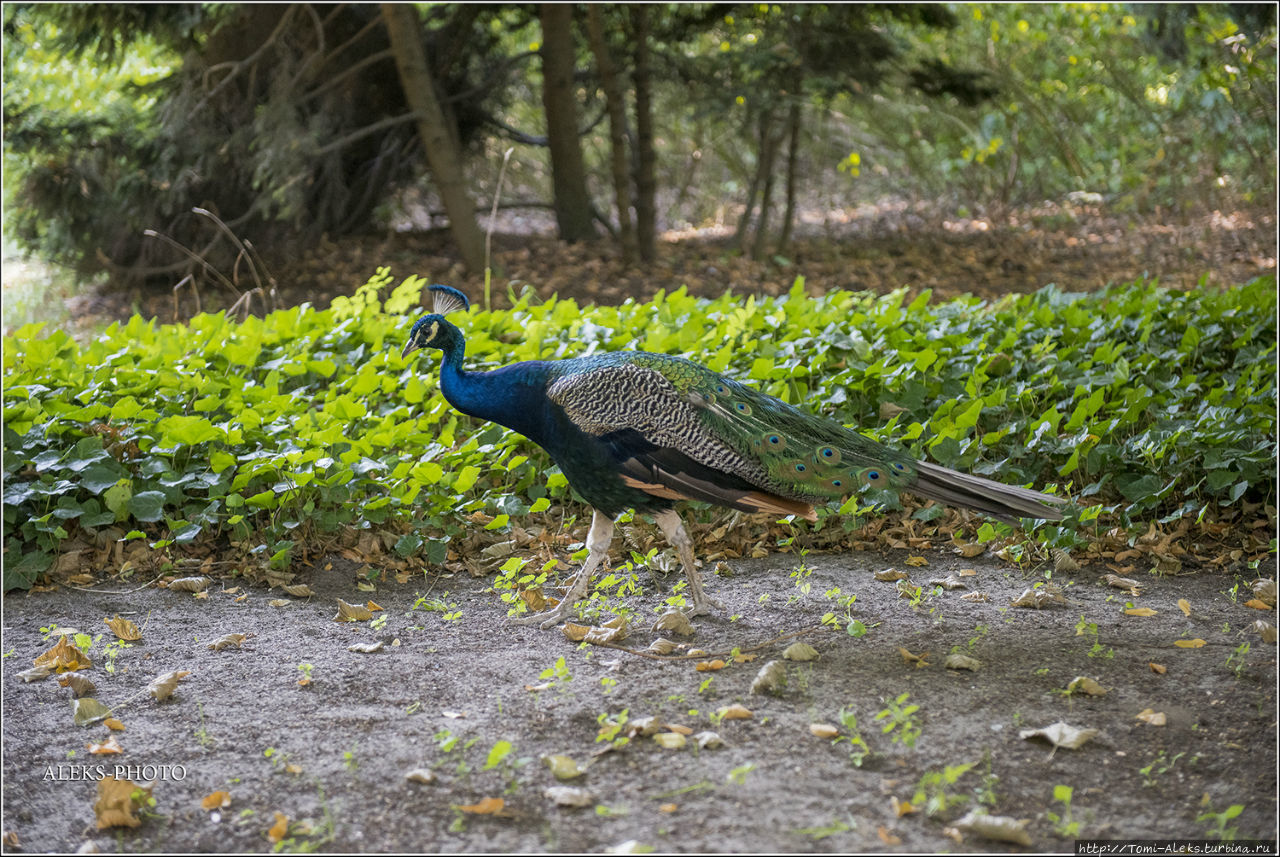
[{"x": 634, "y": 430}]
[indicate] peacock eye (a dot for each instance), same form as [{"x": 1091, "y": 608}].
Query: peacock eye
[
  {"x": 836, "y": 482},
  {"x": 873, "y": 475},
  {"x": 800, "y": 468},
  {"x": 774, "y": 439},
  {"x": 899, "y": 466},
  {"x": 828, "y": 452}
]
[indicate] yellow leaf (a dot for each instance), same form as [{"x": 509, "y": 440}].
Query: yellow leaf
[
  {"x": 113, "y": 724},
  {"x": 63, "y": 658},
  {"x": 1189, "y": 644},
  {"x": 487, "y": 806},
  {"x": 1257, "y": 604},
  {"x": 109, "y": 747},
  {"x": 117, "y": 800},
  {"x": 1185, "y": 606},
  {"x": 1155, "y": 718},
  {"x": 1140, "y": 611},
  {"x": 887, "y": 837},
  {"x": 917, "y": 561},
  {"x": 280, "y": 828},
  {"x": 123, "y": 628},
  {"x": 216, "y": 800},
  {"x": 902, "y": 807},
  {"x": 1158, "y": 669}
]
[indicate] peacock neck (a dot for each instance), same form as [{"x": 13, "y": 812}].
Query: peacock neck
[{"x": 514, "y": 396}]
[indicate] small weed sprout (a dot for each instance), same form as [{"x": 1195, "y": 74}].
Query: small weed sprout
[
  {"x": 1063, "y": 824},
  {"x": 899, "y": 725}
]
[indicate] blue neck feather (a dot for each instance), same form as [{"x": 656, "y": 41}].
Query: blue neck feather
[{"x": 514, "y": 396}]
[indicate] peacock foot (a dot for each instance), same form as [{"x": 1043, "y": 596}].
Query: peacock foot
[{"x": 547, "y": 618}]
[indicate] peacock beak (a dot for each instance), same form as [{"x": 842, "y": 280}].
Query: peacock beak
[{"x": 410, "y": 347}]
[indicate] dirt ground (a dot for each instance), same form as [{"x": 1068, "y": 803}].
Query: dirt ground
[{"x": 453, "y": 681}]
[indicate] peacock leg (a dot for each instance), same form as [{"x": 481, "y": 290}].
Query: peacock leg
[
  {"x": 673, "y": 528},
  {"x": 598, "y": 540}
]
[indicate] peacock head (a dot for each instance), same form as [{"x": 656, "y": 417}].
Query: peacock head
[{"x": 433, "y": 331}]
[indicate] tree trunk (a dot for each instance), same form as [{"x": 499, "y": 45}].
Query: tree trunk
[
  {"x": 617, "y": 132},
  {"x": 793, "y": 144},
  {"x": 646, "y": 158},
  {"x": 770, "y": 142},
  {"x": 443, "y": 154},
  {"x": 568, "y": 176}
]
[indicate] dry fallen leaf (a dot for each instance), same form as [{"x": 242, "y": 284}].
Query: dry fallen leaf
[
  {"x": 1062, "y": 561},
  {"x": 670, "y": 740},
  {"x": 189, "y": 584},
  {"x": 1139, "y": 611},
  {"x": 800, "y": 652},
  {"x": 1084, "y": 684},
  {"x": 949, "y": 582},
  {"x": 215, "y": 800},
  {"x": 423, "y": 776},
  {"x": 998, "y": 827},
  {"x": 109, "y": 747},
  {"x": 1257, "y": 604},
  {"x": 1158, "y": 669},
  {"x": 1122, "y": 583},
  {"x": 486, "y": 806},
  {"x": 968, "y": 550},
  {"x": 1264, "y": 589},
  {"x": 975, "y": 597},
  {"x": 918, "y": 660},
  {"x": 1265, "y": 630},
  {"x": 88, "y": 710},
  {"x": 280, "y": 828},
  {"x": 352, "y": 612},
  {"x": 1189, "y": 644},
  {"x": 365, "y": 648},
  {"x": 957, "y": 661},
  {"x": 564, "y": 767},
  {"x": 1040, "y": 598},
  {"x": 708, "y": 740},
  {"x": 80, "y": 684},
  {"x": 36, "y": 673},
  {"x": 123, "y": 628},
  {"x": 889, "y": 575},
  {"x": 675, "y": 622},
  {"x": 1061, "y": 735},
  {"x": 569, "y": 796},
  {"x": 299, "y": 590},
  {"x": 662, "y": 646},
  {"x": 117, "y": 801},
  {"x": 823, "y": 730},
  {"x": 163, "y": 686},
  {"x": 64, "y": 657},
  {"x": 887, "y": 836},
  {"x": 772, "y": 678},
  {"x": 1185, "y": 606},
  {"x": 917, "y": 561},
  {"x": 1155, "y": 718},
  {"x": 709, "y": 666},
  {"x": 902, "y": 807},
  {"x": 113, "y": 724},
  {"x": 226, "y": 641},
  {"x": 735, "y": 712}
]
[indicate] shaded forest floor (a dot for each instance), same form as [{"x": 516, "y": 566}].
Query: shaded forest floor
[{"x": 876, "y": 247}]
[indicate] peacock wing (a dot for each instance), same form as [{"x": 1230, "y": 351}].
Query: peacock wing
[{"x": 657, "y": 437}]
